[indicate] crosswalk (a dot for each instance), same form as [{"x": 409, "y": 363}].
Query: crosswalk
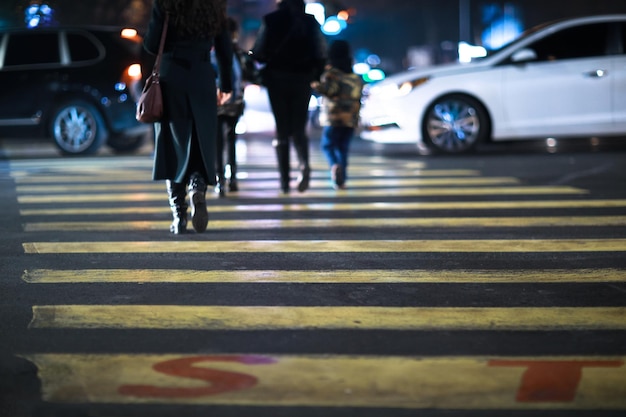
[{"x": 410, "y": 290}]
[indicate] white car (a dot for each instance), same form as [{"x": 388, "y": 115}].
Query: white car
[{"x": 563, "y": 80}]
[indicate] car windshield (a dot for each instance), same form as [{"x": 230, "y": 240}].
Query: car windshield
[{"x": 522, "y": 36}]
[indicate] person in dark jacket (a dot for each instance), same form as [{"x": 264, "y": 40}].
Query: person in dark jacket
[
  {"x": 186, "y": 137},
  {"x": 291, "y": 45}
]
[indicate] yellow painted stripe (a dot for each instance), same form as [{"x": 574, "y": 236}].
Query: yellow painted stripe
[
  {"x": 424, "y": 205},
  {"x": 264, "y": 246},
  {"x": 109, "y": 161},
  {"x": 388, "y": 192},
  {"x": 97, "y": 176},
  {"x": 374, "y": 276},
  {"x": 28, "y": 177},
  {"x": 333, "y": 223},
  {"x": 33, "y": 167},
  {"x": 365, "y": 318},
  {"x": 264, "y": 166},
  {"x": 104, "y": 175},
  {"x": 145, "y": 162},
  {"x": 409, "y": 382},
  {"x": 263, "y": 185}
]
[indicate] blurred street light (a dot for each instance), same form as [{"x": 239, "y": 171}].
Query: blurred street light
[{"x": 38, "y": 15}]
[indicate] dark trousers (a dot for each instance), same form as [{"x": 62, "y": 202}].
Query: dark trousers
[
  {"x": 289, "y": 96},
  {"x": 226, "y": 140}
]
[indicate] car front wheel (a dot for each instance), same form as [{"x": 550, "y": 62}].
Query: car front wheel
[
  {"x": 455, "y": 124},
  {"x": 78, "y": 128}
]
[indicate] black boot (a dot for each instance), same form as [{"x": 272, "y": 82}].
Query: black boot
[
  {"x": 302, "y": 150},
  {"x": 304, "y": 178},
  {"x": 282, "y": 155},
  {"x": 197, "y": 200},
  {"x": 232, "y": 181},
  {"x": 220, "y": 188},
  {"x": 177, "y": 194}
]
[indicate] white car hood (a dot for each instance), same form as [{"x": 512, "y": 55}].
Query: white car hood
[{"x": 436, "y": 71}]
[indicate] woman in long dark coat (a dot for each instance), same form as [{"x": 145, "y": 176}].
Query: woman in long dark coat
[{"x": 186, "y": 137}]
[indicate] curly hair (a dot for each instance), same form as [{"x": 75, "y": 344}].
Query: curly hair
[{"x": 196, "y": 18}]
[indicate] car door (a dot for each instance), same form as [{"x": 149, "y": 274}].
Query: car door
[
  {"x": 619, "y": 81},
  {"x": 28, "y": 75},
  {"x": 566, "y": 89}
]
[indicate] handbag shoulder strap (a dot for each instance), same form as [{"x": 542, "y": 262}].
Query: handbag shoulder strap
[{"x": 157, "y": 62}]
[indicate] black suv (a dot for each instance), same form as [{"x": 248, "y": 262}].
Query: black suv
[{"x": 78, "y": 86}]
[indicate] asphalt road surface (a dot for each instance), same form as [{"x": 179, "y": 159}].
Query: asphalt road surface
[{"x": 491, "y": 284}]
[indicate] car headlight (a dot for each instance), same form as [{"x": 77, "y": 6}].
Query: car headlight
[
  {"x": 407, "y": 86},
  {"x": 390, "y": 90}
]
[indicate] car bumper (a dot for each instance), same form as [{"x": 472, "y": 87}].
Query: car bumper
[{"x": 378, "y": 125}]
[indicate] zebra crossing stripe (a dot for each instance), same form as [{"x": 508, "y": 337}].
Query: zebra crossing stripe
[
  {"x": 338, "y": 317},
  {"x": 271, "y": 193},
  {"x": 354, "y": 246},
  {"x": 265, "y": 185},
  {"x": 409, "y": 382},
  {"x": 382, "y": 276},
  {"x": 333, "y": 223},
  {"x": 337, "y": 206},
  {"x": 95, "y": 175}
]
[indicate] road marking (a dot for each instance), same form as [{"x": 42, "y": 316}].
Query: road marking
[
  {"x": 95, "y": 176},
  {"x": 374, "y": 276},
  {"x": 293, "y": 246},
  {"x": 334, "y": 223},
  {"x": 388, "y": 192},
  {"x": 263, "y": 185},
  {"x": 334, "y": 206},
  {"x": 362, "y": 318},
  {"x": 410, "y": 382},
  {"x": 134, "y": 164}
]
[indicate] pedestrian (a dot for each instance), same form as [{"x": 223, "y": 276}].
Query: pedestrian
[
  {"x": 341, "y": 91},
  {"x": 185, "y": 139},
  {"x": 228, "y": 115},
  {"x": 291, "y": 45}
]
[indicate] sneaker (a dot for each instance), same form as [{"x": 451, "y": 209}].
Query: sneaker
[{"x": 336, "y": 175}]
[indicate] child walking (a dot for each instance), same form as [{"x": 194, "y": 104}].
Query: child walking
[{"x": 341, "y": 103}]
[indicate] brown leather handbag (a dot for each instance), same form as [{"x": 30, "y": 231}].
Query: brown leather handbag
[{"x": 150, "y": 103}]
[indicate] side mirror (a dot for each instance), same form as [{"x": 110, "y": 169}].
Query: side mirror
[{"x": 524, "y": 55}]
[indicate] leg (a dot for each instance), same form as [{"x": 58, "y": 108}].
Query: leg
[
  {"x": 278, "y": 94},
  {"x": 329, "y": 147},
  {"x": 282, "y": 155},
  {"x": 197, "y": 199},
  {"x": 326, "y": 144},
  {"x": 177, "y": 194},
  {"x": 299, "y": 120},
  {"x": 231, "y": 136},
  {"x": 301, "y": 144},
  {"x": 342, "y": 147},
  {"x": 219, "y": 153}
]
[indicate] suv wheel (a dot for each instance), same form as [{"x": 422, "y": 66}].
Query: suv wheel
[{"x": 78, "y": 128}]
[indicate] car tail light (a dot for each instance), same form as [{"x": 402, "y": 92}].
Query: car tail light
[
  {"x": 134, "y": 72},
  {"x": 129, "y": 33},
  {"x": 132, "y": 79}
]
